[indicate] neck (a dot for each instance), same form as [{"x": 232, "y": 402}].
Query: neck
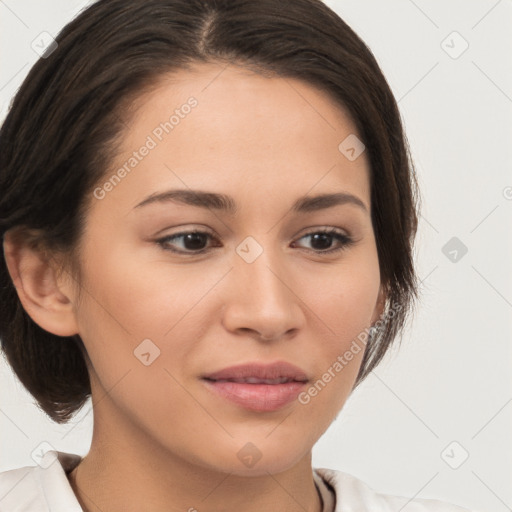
[
  {"x": 123, "y": 473},
  {"x": 119, "y": 485}
]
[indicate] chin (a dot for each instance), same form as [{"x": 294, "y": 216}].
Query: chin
[{"x": 247, "y": 460}]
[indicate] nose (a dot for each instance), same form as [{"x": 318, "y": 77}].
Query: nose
[{"x": 263, "y": 300}]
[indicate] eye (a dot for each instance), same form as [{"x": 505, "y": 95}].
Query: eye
[
  {"x": 193, "y": 242},
  {"x": 322, "y": 240},
  {"x": 196, "y": 242}
]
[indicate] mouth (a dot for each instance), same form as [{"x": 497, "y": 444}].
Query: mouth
[
  {"x": 257, "y": 387},
  {"x": 258, "y": 373}
]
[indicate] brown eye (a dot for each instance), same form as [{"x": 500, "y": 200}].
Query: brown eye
[
  {"x": 191, "y": 242},
  {"x": 322, "y": 240}
]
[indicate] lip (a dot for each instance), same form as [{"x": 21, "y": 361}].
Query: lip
[
  {"x": 277, "y": 370},
  {"x": 231, "y": 383}
]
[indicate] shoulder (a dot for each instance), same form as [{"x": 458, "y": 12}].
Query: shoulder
[
  {"x": 354, "y": 495},
  {"x": 44, "y": 487}
]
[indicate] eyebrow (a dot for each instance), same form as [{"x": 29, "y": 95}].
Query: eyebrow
[{"x": 225, "y": 203}]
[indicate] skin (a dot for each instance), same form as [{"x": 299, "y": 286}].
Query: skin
[{"x": 161, "y": 440}]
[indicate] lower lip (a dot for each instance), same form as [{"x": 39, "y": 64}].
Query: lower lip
[{"x": 257, "y": 397}]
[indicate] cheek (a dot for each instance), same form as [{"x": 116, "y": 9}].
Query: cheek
[
  {"x": 344, "y": 296},
  {"x": 146, "y": 298},
  {"x": 344, "y": 305},
  {"x": 344, "y": 308},
  {"x": 129, "y": 302}
]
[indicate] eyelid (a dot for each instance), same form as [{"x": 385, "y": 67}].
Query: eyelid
[{"x": 189, "y": 228}]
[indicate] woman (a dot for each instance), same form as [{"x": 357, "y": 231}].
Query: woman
[{"x": 267, "y": 132}]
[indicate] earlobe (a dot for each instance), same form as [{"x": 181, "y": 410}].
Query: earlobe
[{"x": 35, "y": 279}]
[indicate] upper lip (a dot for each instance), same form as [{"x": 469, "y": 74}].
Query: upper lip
[{"x": 277, "y": 370}]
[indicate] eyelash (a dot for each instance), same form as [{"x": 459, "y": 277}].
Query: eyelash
[{"x": 346, "y": 241}]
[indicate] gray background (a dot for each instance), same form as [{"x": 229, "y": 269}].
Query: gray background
[{"x": 446, "y": 393}]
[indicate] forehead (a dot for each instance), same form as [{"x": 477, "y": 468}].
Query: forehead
[{"x": 228, "y": 129}]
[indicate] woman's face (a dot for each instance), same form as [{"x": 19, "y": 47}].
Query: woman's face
[{"x": 255, "y": 286}]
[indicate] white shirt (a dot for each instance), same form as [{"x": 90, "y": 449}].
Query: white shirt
[{"x": 45, "y": 488}]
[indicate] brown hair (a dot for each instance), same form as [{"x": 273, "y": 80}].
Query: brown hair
[{"x": 64, "y": 123}]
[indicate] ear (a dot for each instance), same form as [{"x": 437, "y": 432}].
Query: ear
[
  {"x": 44, "y": 296},
  {"x": 379, "y": 305}
]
